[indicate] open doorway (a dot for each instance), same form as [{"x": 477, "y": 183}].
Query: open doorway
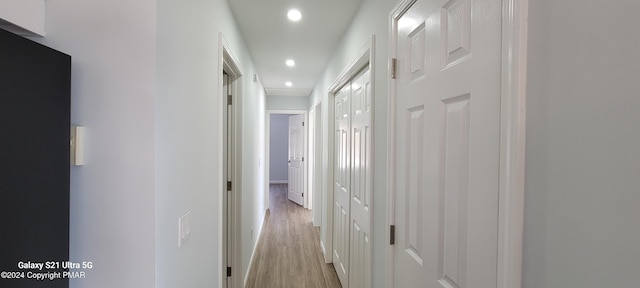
[
  {"x": 287, "y": 153},
  {"x": 230, "y": 101}
]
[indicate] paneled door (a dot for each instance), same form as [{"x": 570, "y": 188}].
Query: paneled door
[
  {"x": 352, "y": 189},
  {"x": 447, "y": 143},
  {"x": 296, "y": 159},
  {"x": 361, "y": 130},
  {"x": 342, "y": 186}
]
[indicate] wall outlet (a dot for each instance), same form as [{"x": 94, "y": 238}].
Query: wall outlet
[{"x": 184, "y": 228}]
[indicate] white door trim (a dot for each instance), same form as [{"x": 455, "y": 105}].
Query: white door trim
[
  {"x": 267, "y": 136},
  {"x": 365, "y": 57},
  {"x": 316, "y": 153},
  {"x": 229, "y": 63},
  {"x": 512, "y": 141}
]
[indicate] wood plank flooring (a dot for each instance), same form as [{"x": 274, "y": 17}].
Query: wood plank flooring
[{"x": 288, "y": 252}]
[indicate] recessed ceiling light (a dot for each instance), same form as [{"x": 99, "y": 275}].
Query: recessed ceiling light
[
  {"x": 290, "y": 63},
  {"x": 294, "y": 15},
  {"x": 288, "y": 84}
]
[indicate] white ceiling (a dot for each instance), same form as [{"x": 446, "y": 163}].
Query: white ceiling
[{"x": 272, "y": 39}]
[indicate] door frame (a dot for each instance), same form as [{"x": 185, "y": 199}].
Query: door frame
[
  {"x": 267, "y": 162},
  {"x": 311, "y": 158},
  {"x": 227, "y": 62},
  {"x": 315, "y": 157},
  {"x": 512, "y": 140},
  {"x": 364, "y": 58}
]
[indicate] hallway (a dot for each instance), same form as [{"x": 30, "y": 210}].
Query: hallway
[
  {"x": 288, "y": 253},
  {"x": 169, "y": 179}
]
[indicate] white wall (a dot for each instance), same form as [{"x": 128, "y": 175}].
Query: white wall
[
  {"x": 27, "y": 16},
  {"x": 186, "y": 133},
  {"x": 253, "y": 168},
  {"x": 287, "y": 103},
  {"x": 372, "y": 18},
  {"x": 145, "y": 87},
  {"x": 583, "y": 164},
  {"x": 112, "y": 94},
  {"x": 279, "y": 148},
  {"x": 187, "y": 137}
]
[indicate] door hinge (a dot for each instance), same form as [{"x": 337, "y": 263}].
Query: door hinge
[
  {"x": 302, "y": 159},
  {"x": 302, "y": 194},
  {"x": 229, "y": 99},
  {"x": 228, "y": 271},
  {"x": 302, "y": 124},
  {"x": 394, "y": 67},
  {"x": 392, "y": 234},
  {"x": 228, "y": 185}
]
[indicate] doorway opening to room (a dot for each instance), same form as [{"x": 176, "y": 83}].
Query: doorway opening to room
[
  {"x": 230, "y": 137},
  {"x": 287, "y": 154}
]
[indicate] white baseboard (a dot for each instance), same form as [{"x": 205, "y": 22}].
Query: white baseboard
[
  {"x": 324, "y": 251},
  {"x": 255, "y": 245}
]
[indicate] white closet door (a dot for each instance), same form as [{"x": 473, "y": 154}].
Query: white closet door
[
  {"x": 447, "y": 149},
  {"x": 342, "y": 186},
  {"x": 361, "y": 171},
  {"x": 353, "y": 183}
]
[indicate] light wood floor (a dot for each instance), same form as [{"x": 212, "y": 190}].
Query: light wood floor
[{"x": 288, "y": 252}]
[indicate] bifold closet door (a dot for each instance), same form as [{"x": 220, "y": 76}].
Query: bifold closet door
[
  {"x": 361, "y": 182},
  {"x": 352, "y": 194},
  {"x": 342, "y": 187}
]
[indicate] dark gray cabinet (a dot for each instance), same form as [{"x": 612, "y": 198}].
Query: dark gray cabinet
[{"x": 34, "y": 157}]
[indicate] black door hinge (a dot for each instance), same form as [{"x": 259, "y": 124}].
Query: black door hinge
[
  {"x": 228, "y": 185},
  {"x": 392, "y": 235},
  {"x": 228, "y": 271},
  {"x": 394, "y": 68},
  {"x": 229, "y": 99}
]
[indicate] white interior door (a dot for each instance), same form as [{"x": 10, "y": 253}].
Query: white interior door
[
  {"x": 447, "y": 144},
  {"x": 296, "y": 159},
  {"x": 360, "y": 249},
  {"x": 342, "y": 190}
]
